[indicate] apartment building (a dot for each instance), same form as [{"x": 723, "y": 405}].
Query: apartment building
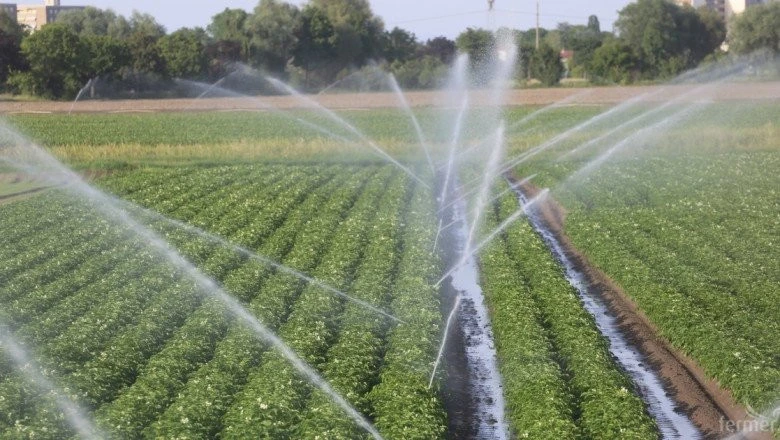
[
  {"x": 35, "y": 16},
  {"x": 9, "y": 8}
]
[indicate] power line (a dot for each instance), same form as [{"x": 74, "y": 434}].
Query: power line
[{"x": 440, "y": 17}]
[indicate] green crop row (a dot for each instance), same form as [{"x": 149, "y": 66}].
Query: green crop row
[
  {"x": 404, "y": 406},
  {"x": 163, "y": 377},
  {"x": 271, "y": 402},
  {"x": 586, "y": 392},
  {"x": 690, "y": 239}
]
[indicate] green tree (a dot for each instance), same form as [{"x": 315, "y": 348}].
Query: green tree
[
  {"x": 399, "y": 45},
  {"x": 145, "y": 32},
  {"x": 546, "y": 65},
  {"x": 419, "y": 73},
  {"x": 11, "y": 58},
  {"x": 315, "y": 41},
  {"x": 582, "y": 40},
  {"x": 230, "y": 26},
  {"x": 479, "y": 44},
  {"x": 146, "y": 24},
  {"x": 272, "y": 31},
  {"x": 758, "y": 28},
  {"x": 358, "y": 32},
  {"x": 615, "y": 62},
  {"x": 183, "y": 53},
  {"x": 594, "y": 25},
  {"x": 92, "y": 21},
  {"x": 440, "y": 47},
  {"x": 667, "y": 38},
  {"x": 58, "y": 62},
  {"x": 107, "y": 55}
]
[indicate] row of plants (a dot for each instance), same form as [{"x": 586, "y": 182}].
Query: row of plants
[
  {"x": 163, "y": 379},
  {"x": 352, "y": 361},
  {"x": 158, "y": 309},
  {"x": 589, "y": 395},
  {"x": 688, "y": 237},
  {"x": 271, "y": 403},
  {"x": 220, "y": 381},
  {"x": 403, "y": 403}
]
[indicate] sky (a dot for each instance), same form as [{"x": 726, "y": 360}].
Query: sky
[{"x": 425, "y": 18}]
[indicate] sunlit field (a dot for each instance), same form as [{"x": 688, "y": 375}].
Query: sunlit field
[{"x": 682, "y": 216}]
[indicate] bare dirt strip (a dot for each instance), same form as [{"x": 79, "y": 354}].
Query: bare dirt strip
[
  {"x": 709, "y": 406},
  {"x": 345, "y": 101}
]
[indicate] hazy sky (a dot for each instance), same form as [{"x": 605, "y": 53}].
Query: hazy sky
[{"x": 426, "y": 18}]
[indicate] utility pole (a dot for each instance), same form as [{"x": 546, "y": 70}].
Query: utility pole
[{"x": 537, "y": 24}]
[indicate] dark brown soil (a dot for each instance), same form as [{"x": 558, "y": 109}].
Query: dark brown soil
[
  {"x": 709, "y": 406},
  {"x": 458, "y": 399}
]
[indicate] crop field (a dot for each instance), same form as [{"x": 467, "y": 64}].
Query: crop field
[
  {"x": 130, "y": 337},
  {"x": 684, "y": 218},
  {"x": 686, "y": 222}
]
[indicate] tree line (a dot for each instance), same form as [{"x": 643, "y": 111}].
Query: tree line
[{"x": 326, "y": 40}]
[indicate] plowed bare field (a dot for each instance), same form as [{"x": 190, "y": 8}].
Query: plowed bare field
[{"x": 344, "y": 101}]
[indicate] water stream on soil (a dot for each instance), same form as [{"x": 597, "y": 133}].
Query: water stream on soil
[
  {"x": 473, "y": 380},
  {"x": 672, "y": 422}
]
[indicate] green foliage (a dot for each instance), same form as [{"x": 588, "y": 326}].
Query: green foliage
[
  {"x": 58, "y": 60},
  {"x": 615, "y": 62},
  {"x": 583, "y": 41},
  {"x": 316, "y": 39},
  {"x": 94, "y": 22},
  {"x": 546, "y": 65},
  {"x": 272, "y": 35},
  {"x": 11, "y": 35},
  {"x": 421, "y": 73},
  {"x": 668, "y": 38},
  {"x": 108, "y": 55},
  {"x": 230, "y": 25},
  {"x": 183, "y": 53},
  {"x": 669, "y": 223},
  {"x": 758, "y": 28},
  {"x": 479, "y": 44},
  {"x": 358, "y": 32},
  {"x": 440, "y": 47},
  {"x": 399, "y": 45}
]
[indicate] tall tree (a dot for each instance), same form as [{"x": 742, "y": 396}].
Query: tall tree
[
  {"x": 358, "y": 32},
  {"x": 230, "y": 26},
  {"x": 758, "y": 28},
  {"x": 146, "y": 24},
  {"x": 107, "y": 55},
  {"x": 399, "y": 45},
  {"x": 440, "y": 47},
  {"x": 184, "y": 53},
  {"x": 546, "y": 65},
  {"x": 667, "y": 38},
  {"x": 615, "y": 62},
  {"x": 58, "y": 62},
  {"x": 145, "y": 53},
  {"x": 315, "y": 41},
  {"x": 478, "y": 44},
  {"x": 92, "y": 21},
  {"x": 582, "y": 40},
  {"x": 594, "y": 25},
  {"x": 11, "y": 34},
  {"x": 272, "y": 30}
]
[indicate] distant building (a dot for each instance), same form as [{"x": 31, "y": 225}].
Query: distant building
[
  {"x": 725, "y": 8},
  {"x": 35, "y": 16},
  {"x": 9, "y": 8}
]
